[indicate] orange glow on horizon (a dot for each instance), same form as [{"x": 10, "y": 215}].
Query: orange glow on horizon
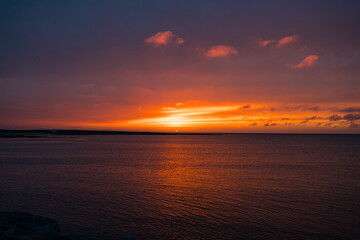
[{"x": 233, "y": 118}]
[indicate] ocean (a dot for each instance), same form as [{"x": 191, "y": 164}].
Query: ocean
[{"x": 231, "y": 186}]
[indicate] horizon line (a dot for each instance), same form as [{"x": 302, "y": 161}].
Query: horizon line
[{"x": 115, "y": 132}]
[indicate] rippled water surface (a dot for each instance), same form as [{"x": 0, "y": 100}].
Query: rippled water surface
[{"x": 188, "y": 186}]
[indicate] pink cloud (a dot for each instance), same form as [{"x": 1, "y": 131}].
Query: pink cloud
[
  {"x": 264, "y": 43},
  {"x": 220, "y": 51},
  {"x": 286, "y": 40},
  {"x": 307, "y": 62},
  {"x": 163, "y": 39},
  {"x": 180, "y": 41}
]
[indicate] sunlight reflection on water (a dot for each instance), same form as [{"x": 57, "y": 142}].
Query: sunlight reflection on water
[{"x": 188, "y": 187}]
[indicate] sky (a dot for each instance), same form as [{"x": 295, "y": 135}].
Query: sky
[{"x": 181, "y": 66}]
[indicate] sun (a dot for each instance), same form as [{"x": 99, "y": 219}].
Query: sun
[{"x": 174, "y": 121}]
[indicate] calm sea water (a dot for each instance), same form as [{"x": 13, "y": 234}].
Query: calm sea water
[{"x": 188, "y": 187}]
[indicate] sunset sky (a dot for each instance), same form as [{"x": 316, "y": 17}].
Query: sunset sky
[{"x": 187, "y": 66}]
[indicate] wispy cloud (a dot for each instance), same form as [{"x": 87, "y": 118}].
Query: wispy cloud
[
  {"x": 179, "y": 41},
  {"x": 347, "y": 117},
  {"x": 335, "y": 117},
  {"x": 307, "y": 119},
  {"x": 281, "y": 42},
  {"x": 287, "y": 40},
  {"x": 269, "y": 124},
  {"x": 264, "y": 43},
  {"x": 303, "y": 107},
  {"x": 352, "y": 117},
  {"x": 350, "y": 109},
  {"x": 307, "y": 62},
  {"x": 220, "y": 51},
  {"x": 164, "y": 39}
]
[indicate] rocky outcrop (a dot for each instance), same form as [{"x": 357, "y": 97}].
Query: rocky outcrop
[{"x": 24, "y": 226}]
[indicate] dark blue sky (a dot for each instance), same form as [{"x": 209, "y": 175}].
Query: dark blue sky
[{"x": 45, "y": 34}]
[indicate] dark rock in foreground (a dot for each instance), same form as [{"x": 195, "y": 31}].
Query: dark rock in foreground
[{"x": 24, "y": 226}]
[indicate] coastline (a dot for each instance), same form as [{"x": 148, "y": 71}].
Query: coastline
[{"x": 25, "y": 226}]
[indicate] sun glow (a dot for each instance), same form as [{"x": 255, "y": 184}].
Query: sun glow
[
  {"x": 240, "y": 116},
  {"x": 180, "y": 116},
  {"x": 205, "y": 117}
]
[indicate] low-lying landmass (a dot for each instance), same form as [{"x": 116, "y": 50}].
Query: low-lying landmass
[
  {"x": 25, "y": 226},
  {"x": 43, "y": 133},
  {"x": 4, "y": 133}
]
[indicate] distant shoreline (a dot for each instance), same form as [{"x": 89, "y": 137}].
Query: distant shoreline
[
  {"x": 9, "y": 133},
  {"x": 43, "y": 133}
]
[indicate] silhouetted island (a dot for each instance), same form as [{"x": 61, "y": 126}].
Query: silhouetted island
[{"x": 43, "y": 133}]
